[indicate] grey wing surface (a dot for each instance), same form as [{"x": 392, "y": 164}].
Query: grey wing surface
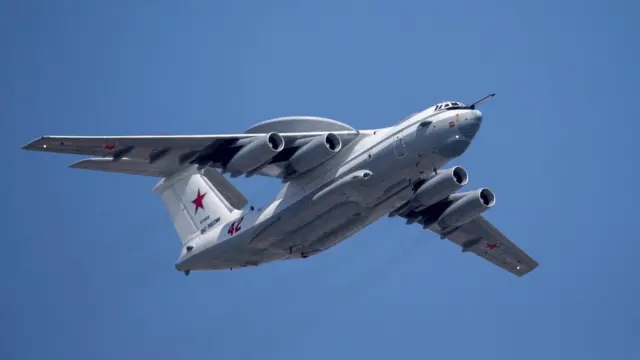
[
  {"x": 480, "y": 237},
  {"x": 163, "y": 155},
  {"x": 153, "y": 155}
]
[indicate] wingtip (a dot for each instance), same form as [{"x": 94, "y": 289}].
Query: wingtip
[
  {"x": 77, "y": 164},
  {"x": 532, "y": 267},
  {"x": 35, "y": 144}
]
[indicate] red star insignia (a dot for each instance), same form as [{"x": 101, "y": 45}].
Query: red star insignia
[
  {"x": 492, "y": 246},
  {"x": 198, "y": 201},
  {"x": 110, "y": 146}
]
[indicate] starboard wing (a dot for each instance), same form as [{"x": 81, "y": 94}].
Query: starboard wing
[{"x": 480, "y": 237}]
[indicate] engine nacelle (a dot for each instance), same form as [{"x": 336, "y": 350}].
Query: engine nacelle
[
  {"x": 315, "y": 152},
  {"x": 469, "y": 205},
  {"x": 256, "y": 153},
  {"x": 445, "y": 183}
]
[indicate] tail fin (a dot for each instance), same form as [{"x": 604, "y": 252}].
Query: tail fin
[{"x": 193, "y": 203}]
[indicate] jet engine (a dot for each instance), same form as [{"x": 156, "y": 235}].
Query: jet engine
[
  {"x": 315, "y": 152},
  {"x": 445, "y": 183},
  {"x": 256, "y": 153},
  {"x": 466, "y": 207}
]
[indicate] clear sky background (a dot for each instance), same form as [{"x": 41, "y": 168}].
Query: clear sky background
[{"x": 87, "y": 258}]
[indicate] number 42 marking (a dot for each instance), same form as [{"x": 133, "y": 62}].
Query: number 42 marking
[{"x": 235, "y": 226}]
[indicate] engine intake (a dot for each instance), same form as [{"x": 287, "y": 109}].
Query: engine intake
[
  {"x": 315, "y": 152},
  {"x": 256, "y": 153},
  {"x": 445, "y": 183},
  {"x": 468, "y": 206}
]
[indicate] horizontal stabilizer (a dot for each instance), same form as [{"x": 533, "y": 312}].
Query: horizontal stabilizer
[
  {"x": 138, "y": 167},
  {"x": 231, "y": 193}
]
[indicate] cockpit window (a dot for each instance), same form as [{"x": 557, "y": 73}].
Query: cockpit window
[{"x": 448, "y": 106}]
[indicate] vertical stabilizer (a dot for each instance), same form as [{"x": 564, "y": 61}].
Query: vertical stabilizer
[{"x": 193, "y": 203}]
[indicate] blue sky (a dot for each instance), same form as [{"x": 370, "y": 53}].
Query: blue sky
[{"x": 87, "y": 268}]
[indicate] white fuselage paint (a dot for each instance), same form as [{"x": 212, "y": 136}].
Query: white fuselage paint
[{"x": 296, "y": 225}]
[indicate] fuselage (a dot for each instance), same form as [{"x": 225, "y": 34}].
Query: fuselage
[{"x": 366, "y": 180}]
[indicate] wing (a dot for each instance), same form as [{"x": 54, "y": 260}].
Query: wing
[
  {"x": 164, "y": 155},
  {"x": 480, "y": 237}
]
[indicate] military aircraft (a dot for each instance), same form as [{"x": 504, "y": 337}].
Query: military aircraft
[{"x": 336, "y": 181}]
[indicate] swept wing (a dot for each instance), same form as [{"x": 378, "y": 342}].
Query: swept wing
[
  {"x": 163, "y": 155},
  {"x": 480, "y": 237}
]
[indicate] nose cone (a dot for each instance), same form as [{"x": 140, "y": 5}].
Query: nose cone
[
  {"x": 476, "y": 116},
  {"x": 454, "y": 146},
  {"x": 471, "y": 123}
]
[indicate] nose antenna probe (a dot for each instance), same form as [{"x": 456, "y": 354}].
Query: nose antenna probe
[{"x": 473, "y": 106}]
